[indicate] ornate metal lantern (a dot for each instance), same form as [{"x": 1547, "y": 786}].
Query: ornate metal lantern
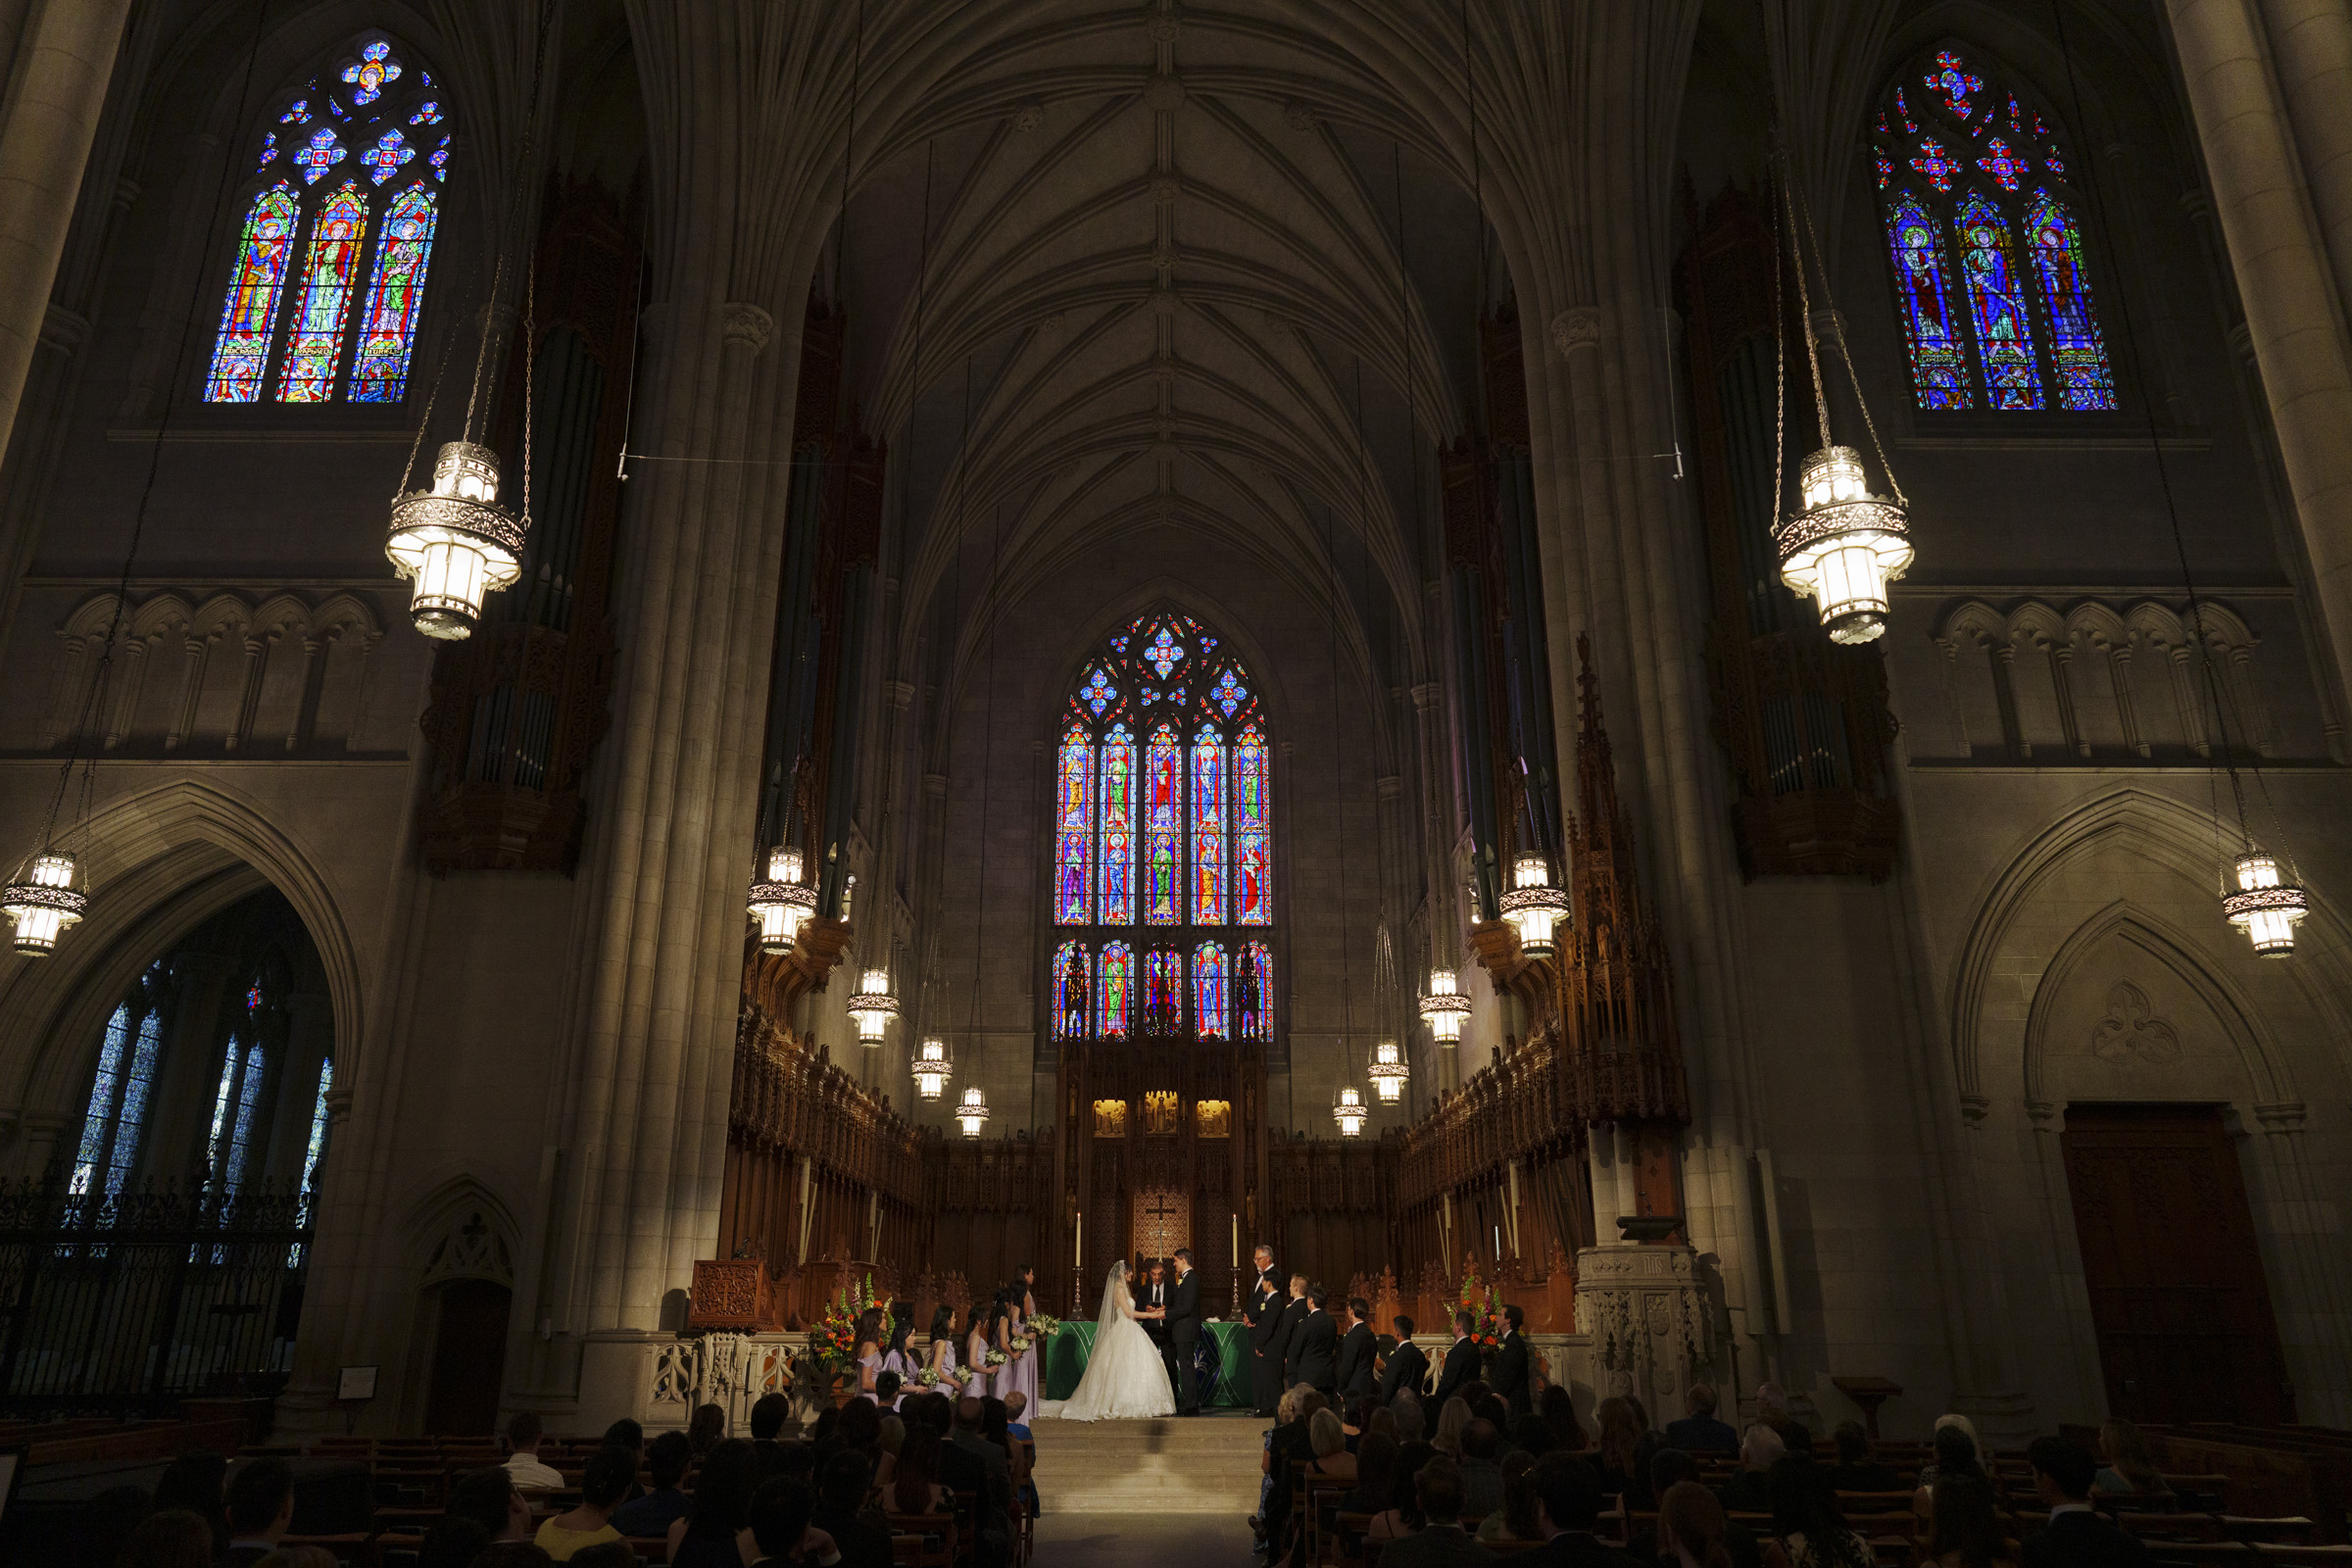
[
  {"x": 973, "y": 1112},
  {"x": 455, "y": 541},
  {"x": 1387, "y": 1071},
  {"x": 1843, "y": 546},
  {"x": 1445, "y": 1007},
  {"x": 933, "y": 1067},
  {"x": 779, "y": 903},
  {"x": 873, "y": 1006},
  {"x": 1348, "y": 1110},
  {"x": 1534, "y": 905},
  {"x": 43, "y": 902},
  {"x": 2265, "y": 905}
]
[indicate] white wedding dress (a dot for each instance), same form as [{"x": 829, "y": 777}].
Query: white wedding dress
[{"x": 1125, "y": 1379}]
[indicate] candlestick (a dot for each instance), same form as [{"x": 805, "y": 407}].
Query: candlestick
[
  {"x": 1237, "y": 1241},
  {"x": 1078, "y": 1244}
]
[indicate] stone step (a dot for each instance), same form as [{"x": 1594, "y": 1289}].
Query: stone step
[{"x": 1203, "y": 1465}]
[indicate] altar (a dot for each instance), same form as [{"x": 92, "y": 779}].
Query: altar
[{"x": 1221, "y": 1361}]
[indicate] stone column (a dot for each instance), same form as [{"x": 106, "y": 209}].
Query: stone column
[
  {"x": 51, "y": 121},
  {"x": 2272, "y": 220}
]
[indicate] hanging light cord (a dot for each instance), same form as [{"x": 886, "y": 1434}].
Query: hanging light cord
[
  {"x": 94, "y": 704},
  {"x": 510, "y": 231}
]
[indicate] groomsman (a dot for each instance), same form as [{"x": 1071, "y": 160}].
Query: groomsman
[
  {"x": 1510, "y": 1374},
  {"x": 1264, "y": 1317},
  {"x": 1286, "y": 1330},
  {"x": 1184, "y": 1334},
  {"x": 1357, "y": 1348},
  {"x": 1408, "y": 1366},
  {"x": 1314, "y": 1345},
  {"x": 1461, "y": 1361}
]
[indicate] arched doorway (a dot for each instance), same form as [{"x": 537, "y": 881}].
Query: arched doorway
[{"x": 470, "y": 1358}]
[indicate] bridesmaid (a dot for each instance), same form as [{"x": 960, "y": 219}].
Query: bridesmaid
[
  {"x": 869, "y": 1350},
  {"x": 898, "y": 1358},
  {"x": 1000, "y": 1338},
  {"x": 976, "y": 1346},
  {"x": 1023, "y": 1367},
  {"x": 943, "y": 1343}
]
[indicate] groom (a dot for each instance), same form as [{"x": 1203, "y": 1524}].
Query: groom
[{"x": 1183, "y": 1334}]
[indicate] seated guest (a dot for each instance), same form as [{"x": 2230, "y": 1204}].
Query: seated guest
[
  {"x": 969, "y": 1462},
  {"x": 261, "y": 1510},
  {"x": 1328, "y": 1441},
  {"x": 1024, "y": 1446},
  {"x": 1403, "y": 1515},
  {"x": 1379, "y": 1419},
  {"x": 1530, "y": 1435},
  {"x": 2075, "y": 1537},
  {"x": 706, "y": 1428},
  {"x": 1812, "y": 1533},
  {"x": 1623, "y": 1461},
  {"x": 1440, "y": 1542},
  {"x": 197, "y": 1482},
  {"x": 1956, "y": 1458},
  {"x": 1559, "y": 1411},
  {"x": 1514, "y": 1519},
  {"x": 1375, "y": 1458},
  {"x": 779, "y": 1519},
  {"x": 1747, "y": 1491},
  {"x": 1452, "y": 1416},
  {"x": 1495, "y": 1411},
  {"x": 1700, "y": 1432},
  {"x": 601, "y": 1486},
  {"x": 914, "y": 1487},
  {"x": 1482, "y": 1469},
  {"x": 101, "y": 1525},
  {"x": 1567, "y": 1507},
  {"x": 886, "y": 1389},
  {"x": 721, "y": 1509},
  {"x": 650, "y": 1514},
  {"x": 606, "y": 1554},
  {"x": 1968, "y": 1532},
  {"x": 170, "y": 1538},
  {"x": 522, "y": 1458},
  {"x": 769, "y": 1412},
  {"x": 1692, "y": 1527},
  {"x": 489, "y": 1499},
  {"x": 840, "y": 1493},
  {"x": 2131, "y": 1466},
  {"x": 451, "y": 1542},
  {"x": 626, "y": 1434},
  {"x": 1411, "y": 1420},
  {"x": 1856, "y": 1469},
  {"x": 1289, "y": 1443}
]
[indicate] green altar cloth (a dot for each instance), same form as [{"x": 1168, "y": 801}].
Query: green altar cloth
[{"x": 1073, "y": 1343}]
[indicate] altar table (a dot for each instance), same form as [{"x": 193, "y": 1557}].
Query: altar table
[{"x": 1221, "y": 1360}]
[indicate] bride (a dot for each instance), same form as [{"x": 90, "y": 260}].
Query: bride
[{"x": 1125, "y": 1377}]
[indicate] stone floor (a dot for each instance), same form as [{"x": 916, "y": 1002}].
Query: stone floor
[{"x": 1123, "y": 1539}]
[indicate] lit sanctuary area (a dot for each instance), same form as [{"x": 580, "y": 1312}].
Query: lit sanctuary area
[{"x": 754, "y": 749}]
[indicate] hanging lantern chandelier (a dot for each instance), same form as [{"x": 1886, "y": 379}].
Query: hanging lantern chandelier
[
  {"x": 973, "y": 1112},
  {"x": 1533, "y": 906},
  {"x": 43, "y": 902},
  {"x": 873, "y": 1006},
  {"x": 2265, "y": 905},
  {"x": 1348, "y": 1110},
  {"x": 1843, "y": 545},
  {"x": 780, "y": 903},
  {"x": 1387, "y": 1071},
  {"x": 455, "y": 542},
  {"x": 1445, "y": 1007},
  {"x": 933, "y": 1067}
]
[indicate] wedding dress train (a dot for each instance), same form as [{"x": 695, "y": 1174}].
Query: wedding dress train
[{"x": 1125, "y": 1378}]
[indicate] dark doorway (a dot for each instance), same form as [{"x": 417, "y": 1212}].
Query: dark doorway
[
  {"x": 470, "y": 1360},
  {"x": 2178, "y": 1297}
]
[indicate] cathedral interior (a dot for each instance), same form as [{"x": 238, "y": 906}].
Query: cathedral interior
[{"x": 1686, "y": 660}]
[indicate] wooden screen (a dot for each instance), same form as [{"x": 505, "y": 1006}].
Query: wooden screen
[{"x": 2178, "y": 1297}]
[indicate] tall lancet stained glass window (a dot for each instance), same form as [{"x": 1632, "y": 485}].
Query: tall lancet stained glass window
[
  {"x": 1984, "y": 225},
  {"x": 336, "y": 220},
  {"x": 1163, "y": 842}
]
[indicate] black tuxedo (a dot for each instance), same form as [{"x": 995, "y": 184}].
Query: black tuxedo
[
  {"x": 1355, "y": 1363},
  {"x": 1264, "y": 1317},
  {"x": 1407, "y": 1373},
  {"x": 1509, "y": 1375},
  {"x": 2078, "y": 1539},
  {"x": 1286, "y": 1340},
  {"x": 1149, "y": 1295},
  {"x": 1314, "y": 1349},
  {"x": 1461, "y": 1366},
  {"x": 1183, "y": 1334}
]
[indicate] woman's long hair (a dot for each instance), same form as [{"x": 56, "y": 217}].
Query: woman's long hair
[
  {"x": 1519, "y": 1498},
  {"x": 1802, "y": 1505},
  {"x": 1403, "y": 1496},
  {"x": 705, "y": 1427},
  {"x": 1689, "y": 1517},
  {"x": 943, "y": 1322},
  {"x": 1559, "y": 1411},
  {"x": 869, "y": 1327},
  {"x": 1966, "y": 1521},
  {"x": 919, "y": 1470},
  {"x": 902, "y": 1324},
  {"x": 1957, "y": 1453},
  {"x": 723, "y": 1491},
  {"x": 1451, "y": 1421},
  {"x": 1375, "y": 1457},
  {"x": 2129, "y": 1456},
  {"x": 1621, "y": 1429}
]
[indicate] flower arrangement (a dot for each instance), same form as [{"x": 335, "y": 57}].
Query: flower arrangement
[
  {"x": 995, "y": 1357},
  {"x": 1485, "y": 1307},
  {"x": 833, "y": 1342}
]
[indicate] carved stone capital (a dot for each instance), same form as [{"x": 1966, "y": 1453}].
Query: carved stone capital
[
  {"x": 1426, "y": 695},
  {"x": 2282, "y": 1115},
  {"x": 1974, "y": 1108},
  {"x": 748, "y": 324},
  {"x": 1577, "y": 327},
  {"x": 1388, "y": 786},
  {"x": 898, "y": 693}
]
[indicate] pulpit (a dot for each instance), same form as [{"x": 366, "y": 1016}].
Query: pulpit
[
  {"x": 1651, "y": 1322},
  {"x": 734, "y": 1292}
]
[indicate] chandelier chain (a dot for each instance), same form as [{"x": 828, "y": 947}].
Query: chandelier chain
[{"x": 1845, "y": 354}]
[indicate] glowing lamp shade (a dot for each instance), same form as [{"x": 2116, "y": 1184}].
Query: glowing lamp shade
[
  {"x": 779, "y": 903},
  {"x": 1348, "y": 1110},
  {"x": 1445, "y": 1007},
  {"x": 933, "y": 1067},
  {"x": 2265, "y": 905},
  {"x": 1389, "y": 1071},
  {"x": 873, "y": 1006},
  {"x": 1533, "y": 906},
  {"x": 1844, "y": 545},
  {"x": 43, "y": 903},
  {"x": 455, "y": 542},
  {"x": 972, "y": 1113}
]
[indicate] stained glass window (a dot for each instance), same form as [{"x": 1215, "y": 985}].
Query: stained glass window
[
  {"x": 1074, "y": 830},
  {"x": 1115, "y": 990},
  {"x": 1253, "y": 993},
  {"x": 1991, "y": 289},
  {"x": 1163, "y": 821},
  {"x": 295, "y": 327},
  {"x": 116, "y": 1119},
  {"x": 1209, "y": 870},
  {"x": 316, "y": 1146},
  {"x": 1209, "y": 985}
]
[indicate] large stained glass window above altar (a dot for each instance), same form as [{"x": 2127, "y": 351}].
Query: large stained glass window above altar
[{"x": 1163, "y": 842}]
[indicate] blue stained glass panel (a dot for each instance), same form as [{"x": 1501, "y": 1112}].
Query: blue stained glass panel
[
  {"x": 1924, "y": 298},
  {"x": 2077, "y": 354},
  {"x": 1074, "y": 831},
  {"x": 1163, "y": 828},
  {"x": 1114, "y": 992},
  {"x": 1210, "y": 984},
  {"x": 1115, "y": 885},
  {"x": 1070, "y": 989},
  {"x": 1998, "y": 305},
  {"x": 1209, "y": 867}
]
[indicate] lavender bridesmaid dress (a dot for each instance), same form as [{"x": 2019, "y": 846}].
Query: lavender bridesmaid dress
[{"x": 1021, "y": 1373}]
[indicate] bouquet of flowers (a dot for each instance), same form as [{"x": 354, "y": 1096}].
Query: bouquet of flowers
[
  {"x": 995, "y": 1357},
  {"x": 1042, "y": 1326},
  {"x": 1485, "y": 1307},
  {"x": 926, "y": 1377},
  {"x": 962, "y": 1376},
  {"x": 1022, "y": 1345}
]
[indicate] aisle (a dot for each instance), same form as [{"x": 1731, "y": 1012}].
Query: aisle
[
  {"x": 1123, "y": 1539},
  {"x": 1203, "y": 1466}
]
